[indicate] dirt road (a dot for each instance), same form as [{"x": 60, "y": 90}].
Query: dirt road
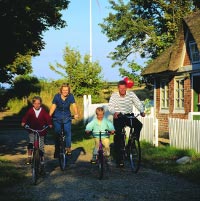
[{"x": 79, "y": 181}]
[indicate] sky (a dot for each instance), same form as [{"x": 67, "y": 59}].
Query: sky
[{"x": 77, "y": 36}]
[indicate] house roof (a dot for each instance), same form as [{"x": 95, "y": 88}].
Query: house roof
[{"x": 171, "y": 58}]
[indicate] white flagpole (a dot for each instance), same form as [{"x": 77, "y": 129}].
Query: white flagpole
[{"x": 90, "y": 30}]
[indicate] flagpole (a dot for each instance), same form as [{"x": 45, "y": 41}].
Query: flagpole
[{"x": 90, "y": 30}]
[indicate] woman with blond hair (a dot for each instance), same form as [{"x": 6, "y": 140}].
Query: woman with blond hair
[{"x": 60, "y": 112}]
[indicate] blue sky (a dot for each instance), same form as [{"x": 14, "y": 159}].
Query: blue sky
[{"x": 77, "y": 36}]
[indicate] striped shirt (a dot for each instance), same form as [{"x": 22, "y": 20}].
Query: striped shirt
[{"x": 124, "y": 104}]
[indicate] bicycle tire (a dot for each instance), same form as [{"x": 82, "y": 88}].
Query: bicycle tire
[
  {"x": 62, "y": 159},
  {"x": 35, "y": 166},
  {"x": 101, "y": 164},
  {"x": 135, "y": 155}
]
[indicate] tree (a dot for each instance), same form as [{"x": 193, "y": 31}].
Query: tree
[
  {"x": 146, "y": 27},
  {"x": 84, "y": 76},
  {"x": 22, "y": 25},
  {"x": 29, "y": 84}
]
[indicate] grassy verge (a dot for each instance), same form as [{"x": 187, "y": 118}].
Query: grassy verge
[
  {"x": 163, "y": 158},
  {"x": 10, "y": 176}
]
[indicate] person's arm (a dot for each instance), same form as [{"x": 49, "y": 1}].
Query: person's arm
[
  {"x": 75, "y": 108},
  {"x": 52, "y": 109},
  {"x": 110, "y": 127},
  {"x": 138, "y": 104},
  {"x": 89, "y": 127},
  {"x": 48, "y": 119},
  {"x": 25, "y": 118},
  {"x": 111, "y": 105}
]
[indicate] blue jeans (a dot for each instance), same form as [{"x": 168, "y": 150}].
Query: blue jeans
[{"x": 67, "y": 132}]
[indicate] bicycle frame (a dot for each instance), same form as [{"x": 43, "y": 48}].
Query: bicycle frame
[
  {"x": 132, "y": 148},
  {"x": 36, "y": 154},
  {"x": 62, "y": 155},
  {"x": 101, "y": 162}
]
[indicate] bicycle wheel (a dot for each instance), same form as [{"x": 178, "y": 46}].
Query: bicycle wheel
[
  {"x": 135, "y": 155},
  {"x": 101, "y": 164},
  {"x": 35, "y": 166},
  {"x": 62, "y": 159}
]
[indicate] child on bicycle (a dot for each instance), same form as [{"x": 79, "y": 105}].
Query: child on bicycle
[
  {"x": 100, "y": 123},
  {"x": 36, "y": 117}
]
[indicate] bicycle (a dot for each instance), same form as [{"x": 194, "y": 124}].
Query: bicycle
[
  {"x": 101, "y": 160},
  {"x": 131, "y": 147},
  {"x": 61, "y": 140},
  {"x": 36, "y": 159}
]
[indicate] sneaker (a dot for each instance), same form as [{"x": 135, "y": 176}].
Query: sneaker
[
  {"x": 68, "y": 151},
  {"x": 120, "y": 164},
  {"x": 28, "y": 161},
  {"x": 94, "y": 159}
]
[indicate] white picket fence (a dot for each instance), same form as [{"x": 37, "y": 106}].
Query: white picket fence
[
  {"x": 184, "y": 133},
  {"x": 149, "y": 131}
]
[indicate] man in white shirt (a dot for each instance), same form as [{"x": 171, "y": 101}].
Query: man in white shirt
[{"x": 122, "y": 102}]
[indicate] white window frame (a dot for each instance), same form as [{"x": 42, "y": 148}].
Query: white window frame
[
  {"x": 179, "y": 94},
  {"x": 164, "y": 95},
  {"x": 194, "y": 52}
]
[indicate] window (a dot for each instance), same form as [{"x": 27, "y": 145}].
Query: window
[
  {"x": 194, "y": 52},
  {"x": 164, "y": 93},
  {"x": 179, "y": 93}
]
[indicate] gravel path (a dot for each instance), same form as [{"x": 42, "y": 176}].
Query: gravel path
[{"x": 79, "y": 182}]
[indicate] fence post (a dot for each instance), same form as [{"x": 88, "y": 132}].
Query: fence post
[
  {"x": 85, "y": 108},
  {"x": 156, "y": 133},
  {"x": 86, "y": 105}
]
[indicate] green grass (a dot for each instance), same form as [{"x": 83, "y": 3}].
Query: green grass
[
  {"x": 163, "y": 158},
  {"x": 9, "y": 174}
]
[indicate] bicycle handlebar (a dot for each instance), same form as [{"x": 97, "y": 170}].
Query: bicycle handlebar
[
  {"x": 98, "y": 132},
  {"x": 38, "y": 131},
  {"x": 128, "y": 115}
]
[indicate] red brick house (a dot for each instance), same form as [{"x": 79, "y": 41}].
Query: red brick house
[{"x": 176, "y": 75}]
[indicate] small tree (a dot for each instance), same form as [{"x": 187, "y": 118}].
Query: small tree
[
  {"x": 84, "y": 76},
  {"x": 23, "y": 86}
]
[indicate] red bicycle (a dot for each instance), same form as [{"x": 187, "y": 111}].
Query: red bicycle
[
  {"x": 101, "y": 160},
  {"x": 37, "y": 167}
]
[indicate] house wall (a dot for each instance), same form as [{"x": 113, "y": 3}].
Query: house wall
[{"x": 163, "y": 115}]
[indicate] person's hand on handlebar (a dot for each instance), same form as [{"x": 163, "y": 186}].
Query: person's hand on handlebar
[
  {"x": 142, "y": 114},
  {"x": 116, "y": 115},
  {"x": 112, "y": 132},
  {"x": 76, "y": 116}
]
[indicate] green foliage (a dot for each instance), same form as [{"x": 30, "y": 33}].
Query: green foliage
[
  {"x": 148, "y": 106},
  {"x": 163, "y": 158},
  {"x": 84, "y": 76},
  {"x": 9, "y": 174},
  {"x": 20, "y": 66},
  {"x": 23, "y": 24},
  {"x": 143, "y": 27},
  {"x": 133, "y": 73},
  {"x": 29, "y": 85}
]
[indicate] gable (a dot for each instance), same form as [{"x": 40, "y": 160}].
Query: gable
[{"x": 171, "y": 59}]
